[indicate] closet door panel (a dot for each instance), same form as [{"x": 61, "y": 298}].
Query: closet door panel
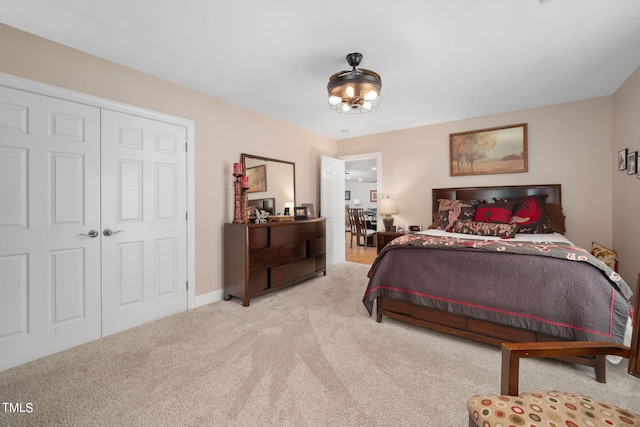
[
  {"x": 49, "y": 203},
  {"x": 144, "y": 220}
]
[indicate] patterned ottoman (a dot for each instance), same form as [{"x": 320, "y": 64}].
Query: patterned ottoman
[{"x": 546, "y": 409}]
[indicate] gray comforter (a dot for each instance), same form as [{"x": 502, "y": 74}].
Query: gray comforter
[{"x": 555, "y": 289}]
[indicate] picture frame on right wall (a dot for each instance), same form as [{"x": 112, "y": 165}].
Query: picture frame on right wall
[
  {"x": 622, "y": 159},
  {"x": 632, "y": 163}
]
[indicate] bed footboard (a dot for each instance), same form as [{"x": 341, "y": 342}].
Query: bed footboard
[{"x": 473, "y": 329}]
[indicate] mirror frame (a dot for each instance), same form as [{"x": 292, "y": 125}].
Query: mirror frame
[{"x": 245, "y": 156}]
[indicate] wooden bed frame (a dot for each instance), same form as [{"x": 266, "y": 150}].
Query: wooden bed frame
[
  {"x": 553, "y": 192},
  {"x": 468, "y": 327}
]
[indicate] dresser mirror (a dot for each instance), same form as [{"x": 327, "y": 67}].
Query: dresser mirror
[{"x": 272, "y": 183}]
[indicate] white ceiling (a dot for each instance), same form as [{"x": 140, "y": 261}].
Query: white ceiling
[{"x": 439, "y": 60}]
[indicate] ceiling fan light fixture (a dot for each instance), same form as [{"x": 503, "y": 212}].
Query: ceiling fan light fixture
[{"x": 357, "y": 90}]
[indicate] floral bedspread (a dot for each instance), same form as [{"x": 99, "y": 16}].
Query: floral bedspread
[
  {"x": 550, "y": 249},
  {"x": 553, "y": 288}
]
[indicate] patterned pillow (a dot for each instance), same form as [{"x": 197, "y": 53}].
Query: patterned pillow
[
  {"x": 605, "y": 255},
  {"x": 530, "y": 214},
  {"x": 485, "y": 229},
  {"x": 449, "y": 211},
  {"x": 499, "y": 212}
]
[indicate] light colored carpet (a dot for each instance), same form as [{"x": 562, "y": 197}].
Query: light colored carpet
[{"x": 309, "y": 355}]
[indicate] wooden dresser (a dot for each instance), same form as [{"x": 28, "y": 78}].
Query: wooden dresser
[{"x": 262, "y": 258}]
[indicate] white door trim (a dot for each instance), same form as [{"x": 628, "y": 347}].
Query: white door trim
[{"x": 94, "y": 101}]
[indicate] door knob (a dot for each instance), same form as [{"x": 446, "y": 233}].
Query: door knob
[
  {"x": 107, "y": 232},
  {"x": 92, "y": 234}
]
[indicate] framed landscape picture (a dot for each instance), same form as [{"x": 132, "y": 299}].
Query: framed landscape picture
[
  {"x": 489, "y": 151},
  {"x": 257, "y": 178}
]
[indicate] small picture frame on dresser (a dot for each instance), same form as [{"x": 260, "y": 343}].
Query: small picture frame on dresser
[
  {"x": 400, "y": 229},
  {"x": 309, "y": 209},
  {"x": 300, "y": 213},
  {"x": 414, "y": 228}
]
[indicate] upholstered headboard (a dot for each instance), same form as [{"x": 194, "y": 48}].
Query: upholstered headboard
[{"x": 488, "y": 193}]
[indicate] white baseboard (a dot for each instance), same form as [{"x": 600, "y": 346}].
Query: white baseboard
[{"x": 208, "y": 298}]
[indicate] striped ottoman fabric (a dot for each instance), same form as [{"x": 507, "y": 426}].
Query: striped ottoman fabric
[{"x": 546, "y": 409}]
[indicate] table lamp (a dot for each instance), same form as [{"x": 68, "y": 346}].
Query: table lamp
[
  {"x": 386, "y": 207},
  {"x": 288, "y": 208}
]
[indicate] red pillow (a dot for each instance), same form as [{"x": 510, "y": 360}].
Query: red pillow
[
  {"x": 532, "y": 216},
  {"x": 497, "y": 213}
]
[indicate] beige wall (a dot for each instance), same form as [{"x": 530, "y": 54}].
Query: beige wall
[
  {"x": 569, "y": 144},
  {"x": 626, "y": 188},
  {"x": 222, "y": 131}
]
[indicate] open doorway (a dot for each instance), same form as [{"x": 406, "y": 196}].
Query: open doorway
[{"x": 362, "y": 186}]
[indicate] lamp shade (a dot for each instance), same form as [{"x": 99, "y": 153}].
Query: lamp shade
[
  {"x": 357, "y": 202},
  {"x": 289, "y": 206},
  {"x": 387, "y": 206}
]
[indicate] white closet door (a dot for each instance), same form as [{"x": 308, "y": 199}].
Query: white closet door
[
  {"x": 144, "y": 187},
  {"x": 49, "y": 203}
]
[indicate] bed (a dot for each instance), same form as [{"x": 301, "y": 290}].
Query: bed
[{"x": 529, "y": 287}]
